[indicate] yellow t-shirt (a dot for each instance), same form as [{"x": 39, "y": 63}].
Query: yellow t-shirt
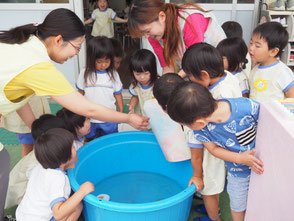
[{"x": 42, "y": 79}]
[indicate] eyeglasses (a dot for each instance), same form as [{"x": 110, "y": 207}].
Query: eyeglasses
[{"x": 75, "y": 47}]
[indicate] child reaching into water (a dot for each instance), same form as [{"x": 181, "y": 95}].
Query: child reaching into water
[
  {"x": 227, "y": 128},
  {"x": 143, "y": 73},
  {"x": 78, "y": 125},
  {"x": 100, "y": 83},
  {"x": 203, "y": 64},
  {"x": 48, "y": 189},
  {"x": 103, "y": 20},
  {"x": 234, "y": 51},
  {"x": 271, "y": 78}
]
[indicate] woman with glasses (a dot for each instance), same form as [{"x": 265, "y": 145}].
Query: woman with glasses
[
  {"x": 172, "y": 28},
  {"x": 26, "y": 69}
]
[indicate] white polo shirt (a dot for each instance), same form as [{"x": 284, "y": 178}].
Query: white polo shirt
[{"x": 45, "y": 188}]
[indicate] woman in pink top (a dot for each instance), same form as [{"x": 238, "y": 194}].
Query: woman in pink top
[{"x": 172, "y": 28}]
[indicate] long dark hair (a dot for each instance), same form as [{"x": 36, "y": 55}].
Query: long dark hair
[
  {"x": 72, "y": 120},
  {"x": 60, "y": 21},
  {"x": 98, "y": 47},
  {"x": 235, "y": 50},
  {"x": 143, "y": 60}
]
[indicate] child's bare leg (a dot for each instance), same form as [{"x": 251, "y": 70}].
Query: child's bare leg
[
  {"x": 238, "y": 216},
  {"x": 211, "y": 205},
  {"x": 76, "y": 213},
  {"x": 26, "y": 149}
]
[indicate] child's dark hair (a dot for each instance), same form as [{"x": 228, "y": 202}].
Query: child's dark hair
[
  {"x": 235, "y": 50},
  {"x": 232, "y": 29},
  {"x": 275, "y": 34},
  {"x": 98, "y": 47},
  {"x": 164, "y": 86},
  {"x": 143, "y": 60},
  {"x": 117, "y": 48},
  {"x": 53, "y": 148},
  {"x": 60, "y": 21},
  {"x": 190, "y": 101},
  {"x": 72, "y": 120},
  {"x": 203, "y": 57},
  {"x": 44, "y": 123}
]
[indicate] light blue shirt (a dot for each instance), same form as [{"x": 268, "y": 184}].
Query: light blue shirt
[{"x": 236, "y": 135}]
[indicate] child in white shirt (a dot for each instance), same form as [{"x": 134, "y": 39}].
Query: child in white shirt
[
  {"x": 48, "y": 190},
  {"x": 271, "y": 78},
  {"x": 100, "y": 83}
]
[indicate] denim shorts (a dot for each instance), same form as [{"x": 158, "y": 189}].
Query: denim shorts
[
  {"x": 237, "y": 189},
  {"x": 25, "y": 138}
]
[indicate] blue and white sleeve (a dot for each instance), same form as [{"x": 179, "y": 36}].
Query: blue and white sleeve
[{"x": 192, "y": 141}]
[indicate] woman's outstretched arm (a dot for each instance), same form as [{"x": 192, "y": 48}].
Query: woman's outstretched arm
[{"x": 77, "y": 103}]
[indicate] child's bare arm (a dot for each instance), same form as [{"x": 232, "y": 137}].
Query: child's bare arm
[
  {"x": 121, "y": 19},
  {"x": 63, "y": 209},
  {"x": 196, "y": 161},
  {"x": 290, "y": 92},
  {"x": 89, "y": 21},
  {"x": 119, "y": 101},
  {"x": 133, "y": 102},
  {"x": 246, "y": 157}
]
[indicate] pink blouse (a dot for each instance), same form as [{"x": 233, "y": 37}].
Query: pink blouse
[{"x": 193, "y": 32}]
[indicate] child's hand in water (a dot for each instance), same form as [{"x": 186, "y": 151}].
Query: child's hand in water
[
  {"x": 250, "y": 160},
  {"x": 131, "y": 109},
  {"x": 87, "y": 188},
  {"x": 198, "y": 182}
]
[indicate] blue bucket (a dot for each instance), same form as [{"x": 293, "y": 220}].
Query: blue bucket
[{"x": 129, "y": 152}]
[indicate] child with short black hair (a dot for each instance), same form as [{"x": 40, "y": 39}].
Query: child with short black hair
[
  {"x": 164, "y": 86},
  {"x": 44, "y": 123},
  {"x": 143, "y": 72},
  {"x": 118, "y": 52},
  {"x": 48, "y": 189},
  {"x": 271, "y": 79},
  {"x": 78, "y": 125},
  {"x": 18, "y": 178},
  {"x": 234, "y": 51},
  {"x": 232, "y": 29},
  {"x": 100, "y": 83},
  {"x": 227, "y": 128},
  {"x": 203, "y": 64}
]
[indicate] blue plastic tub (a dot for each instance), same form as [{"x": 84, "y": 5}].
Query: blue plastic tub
[{"x": 129, "y": 152}]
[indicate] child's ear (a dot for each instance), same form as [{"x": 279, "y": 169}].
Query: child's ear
[
  {"x": 204, "y": 75},
  {"x": 274, "y": 52},
  {"x": 201, "y": 122}
]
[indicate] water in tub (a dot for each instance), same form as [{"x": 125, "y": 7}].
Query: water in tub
[{"x": 138, "y": 187}]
